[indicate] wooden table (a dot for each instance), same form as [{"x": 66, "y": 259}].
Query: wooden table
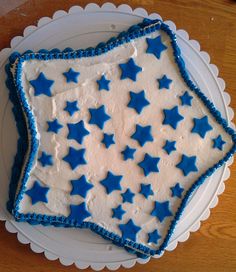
[{"x": 213, "y": 24}]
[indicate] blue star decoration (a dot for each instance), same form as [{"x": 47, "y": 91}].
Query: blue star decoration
[
  {"x": 164, "y": 82},
  {"x": 127, "y": 196},
  {"x": 177, "y": 190},
  {"x": 161, "y": 210},
  {"x": 77, "y": 132},
  {"x": 78, "y": 213},
  {"x": 187, "y": 164},
  {"x": 149, "y": 164},
  {"x": 129, "y": 70},
  {"x": 71, "y": 107},
  {"x": 201, "y": 126},
  {"x": 142, "y": 134},
  {"x": 42, "y": 85},
  {"x": 153, "y": 237},
  {"x": 129, "y": 230},
  {"x": 186, "y": 99},
  {"x": 103, "y": 83},
  {"x": 169, "y": 146},
  {"x": 172, "y": 117},
  {"x": 75, "y": 157},
  {"x": 138, "y": 101},
  {"x": 98, "y": 116},
  {"x": 108, "y": 139},
  {"x": 38, "y": 193},
  {"x": 54, "y": 126},
  {"x": 118, "y": 212},
  {"x": 155, "y": 46},
  {"x": 71, "y": 76},
  {"x": 218, "y": 142},
  {"x": 128, "y": 153},
  {"x": 45, "y": 159},
  {"x": 80, "y": 186},
  {"x": 146, "y": 190},
  {"x": 111, "y": 182}
]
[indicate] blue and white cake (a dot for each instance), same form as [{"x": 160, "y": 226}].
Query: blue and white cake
[{"x": 113, "y": 138}]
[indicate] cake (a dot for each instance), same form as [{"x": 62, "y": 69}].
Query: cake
[{"x": 114, "y": 138}]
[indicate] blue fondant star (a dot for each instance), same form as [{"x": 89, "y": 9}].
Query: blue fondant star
[
  {"x": 177, "y": 190},
  {"x": 172, "y": 117},
  {"x": 138, "y": 101},
  {"x": 128, "y": 153},
  {"x": 164, "y": 82},
  {"x": 111, "y": 182},
  {"x": 103, "y": 83},
  {"x": 155, "y": 46},
  {"x": 80, "y": 186},
  {"x": 127, "y": 196},
  {"x": 161, "y": 210},
  {"x": 78, "y": 213},
  {"x": 129, "y": 70},
  {"x": 98, "y": 117},
  {"x": 187, "y": 164},
  {"x": 75, "y": 157},
  {"x": 108, "y": 139},
  {"x": 38, "y": 193},
  {"x": 71, "y": 107},
  {"x": 45, "y": 159},
  {"x": 218, "y": 142},
  {"x": 42, "y": 85},
  {"x": 186, "y": 99},
  {"x": 54, "y": 126},
  {"x": 142, "y": 134},
  {"x": 146, "y": 190},
  {"x": 201, "y": 126},
  {"x": 169, "y": 146},
  {"x": 153, "y": 237},
  {"x": 77, "y": 132},
  {"x": 129, "y": 230},
  {"x": 118, "y": 212},
  {"x": 71, "y": 76},
  {"x": 149, "y": 164}
]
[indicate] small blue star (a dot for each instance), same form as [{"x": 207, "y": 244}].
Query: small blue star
[
  {"x": 71, "y": 107},
  {"x": 75, "y": 157},
  {"x": 149, "y": 164},
  {"x": 98, "y": 116},
  {"x": 80, "y": 186},
  {"x": 142, "y": 135},
  {"x": 129, "y": 230},
  {"x": 79, "y": 213},
  {"x": 155, "y": 46},
  {"x": 161, "y": 210},
  {"x": 77, "y": 132},
  {"x": 146, "y": 190},
  {"x": 187, "y": 164},
  {"x": 186, "y": 99},
  {"x": 111, "y": 182},
  {"x": 54, "y": 126},
  {"x": 129, "y": 70},
  {"x": 201, "y": 126},
  {"x": 45, "y": 159},
  {"x": 103, "y": 83},
  {"x": 218, "y": 142},
  {"x": 138, "y": 101},
  {"x": 42, "y": 85},
  {"x": 169, "y": 146},
  {"x": 128, "y": 196},
  {"x": 153, "y": 237},
  {"x": 118, "y": 212},
  {"x": 108, "y": 139},
  {"x": 172, "y": 117},
  {"x": 177, "y": 190},
  {"x": 38, "y": 193},
  {"x": 71, "y": 76},
  {"x": 164, "y": 82},
  {"x": 128, "y": 153}
]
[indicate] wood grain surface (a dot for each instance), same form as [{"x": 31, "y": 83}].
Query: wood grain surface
[{"x": 213, "y": 24}]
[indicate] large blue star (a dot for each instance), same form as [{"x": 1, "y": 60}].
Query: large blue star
[
  {"x": 75, "y": 157},
  {"x": 111, "y": 182},
  {"x": 129, "y": 70},
  {"x": 155, "y": 46},
  {"x": 138, "y": 101},
  {"x": 187, "y": 164},
  {"x": 128, "y": 196},
  {"x": 129, "y": 230},
  {"x": 71, "y": 107},
  {"x": 128, "y": 153},
  {"x": 161, "y": 210},
  {"x": 45, "y": 159},
  {"x": 103, "y": 83},
  {"x": 201, "y": 126},
  {"x": 186, "y": 99},
  {"x": 118, "y": 212},
  {"x": 38, "y": 193},
  {"x": 164, "y": 82},
  {"x": 77, "y": 132},
  {"x": 146, "y": 190},
  {"x": 108, "y": 139},
  {"x": 98, "y": 116},
  {"x": 177, "y": 190},
  {"x": 169, "y": 146},
  {"x": 42, "y": 85},
  {"x": 78, "y": 213},
  {"x": 218, "y": 142},
  {"x": 142, "y": 134},
  {"x": 80, "y": 186},
  {"x": 54, "y": 126},
  {"x": 71, "y": 76},
  {"x": 149, "y": 164},
  {"x": 172, "y": 117},
  {"x": 153, "y": 237}
]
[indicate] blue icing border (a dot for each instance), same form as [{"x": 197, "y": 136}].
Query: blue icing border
[{"x": 17, "y": 97}]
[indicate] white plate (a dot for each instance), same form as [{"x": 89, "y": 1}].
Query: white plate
[{"x": 82, "y": 28}]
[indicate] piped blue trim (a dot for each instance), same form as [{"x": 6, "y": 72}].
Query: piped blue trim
[{"x": 19, "y": 101}]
